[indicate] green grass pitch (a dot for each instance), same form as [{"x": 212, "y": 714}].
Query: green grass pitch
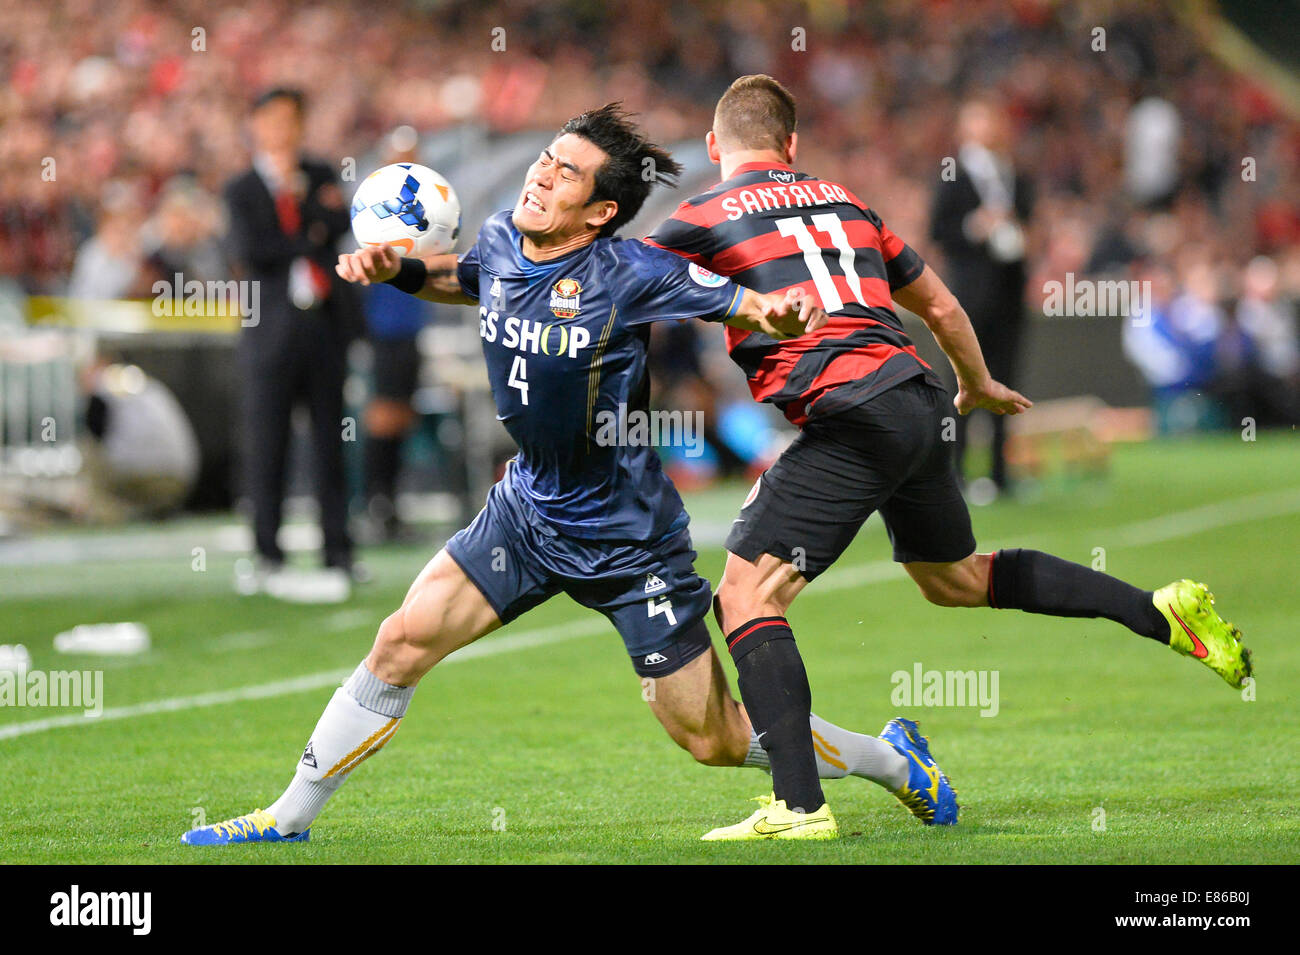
[{"x": 547, "y": 753}]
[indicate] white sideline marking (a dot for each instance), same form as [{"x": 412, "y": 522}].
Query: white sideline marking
[
  {"x": 347, "y": 619},
  {"x": 490, "y": 646},
  {"x": 1156, "y": 530},
  {"x": 240, "y": 640},
  {"x": 1208, "y": 517}
]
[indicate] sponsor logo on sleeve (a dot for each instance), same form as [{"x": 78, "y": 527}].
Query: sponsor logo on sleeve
[{"x": 702, "y": 276}]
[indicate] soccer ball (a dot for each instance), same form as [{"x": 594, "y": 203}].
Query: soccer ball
[{"x": 408, "y": 206}]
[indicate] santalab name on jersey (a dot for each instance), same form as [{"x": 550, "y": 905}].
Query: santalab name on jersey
[
  {"x": 533, "y": 337},
  {"x": 779, "y": 196}
]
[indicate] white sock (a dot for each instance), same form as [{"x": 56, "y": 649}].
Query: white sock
[
  {"x": 362, "y": 715},
  {"x": 843, "y": 753}
]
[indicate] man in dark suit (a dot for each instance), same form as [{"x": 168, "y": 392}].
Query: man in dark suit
[
  {"x": 286, "y": 214},
  {"x": 978, "y": 221}
]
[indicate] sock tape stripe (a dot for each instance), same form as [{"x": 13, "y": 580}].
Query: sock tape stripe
[
  {"x": 360, "y": 751},
  {"x": 758, "y": 626},
  {"x": 371, "y": 751}
]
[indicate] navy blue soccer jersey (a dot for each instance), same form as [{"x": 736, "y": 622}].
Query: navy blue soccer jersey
[{"x": 565, "y": 344}]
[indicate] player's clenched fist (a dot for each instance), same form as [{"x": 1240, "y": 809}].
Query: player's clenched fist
[
  {"x": 780, "y": 316},
  {"x": 794, "y": 313},
  {"x": 811, "y": 316},
  {"x": 376, "y": 263}
]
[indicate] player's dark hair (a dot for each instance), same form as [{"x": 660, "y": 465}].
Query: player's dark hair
[
  {"x": 634, "y": 165},
  {"x": 291, "y": 93},
  {"x": 756, "y": 112}
]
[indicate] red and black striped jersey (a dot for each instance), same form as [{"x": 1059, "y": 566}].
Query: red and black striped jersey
[{"x": 771, "y": 229}]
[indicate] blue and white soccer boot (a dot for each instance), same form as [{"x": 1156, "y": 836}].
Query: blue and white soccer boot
[
  {"x": 927, "y": 794},
  {"x": 256, "y": 826}
]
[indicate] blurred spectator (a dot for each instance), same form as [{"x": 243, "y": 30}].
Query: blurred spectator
[
  {"x": 1269, "y": 321},
  {"x": 142, "y": 457},
  {"x": 1258, "y": 359},
  {"x": 1196, "y": 317},
  {"x": 286, "y": 215},
  {"x": 1209, "y": 365},
  {"x": 1151, "y": 151},
  {"x": 110, "y": 264},
  {"x": 978, "y": 221},
  {"x": 184, "y": 235}
]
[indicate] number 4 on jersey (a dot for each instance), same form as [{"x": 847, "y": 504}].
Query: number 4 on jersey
[
  {"x": 519, "y": 377},
  {"x": 829, "y": 223}
]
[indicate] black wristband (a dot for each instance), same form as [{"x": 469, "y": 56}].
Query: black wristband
[{"x": 410, "y": 277}]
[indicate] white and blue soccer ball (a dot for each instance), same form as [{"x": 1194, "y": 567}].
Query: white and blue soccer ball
[{"x": 409, "y": 207}]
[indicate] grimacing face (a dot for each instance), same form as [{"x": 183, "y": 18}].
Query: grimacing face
[{"x": 552, "y": 205}]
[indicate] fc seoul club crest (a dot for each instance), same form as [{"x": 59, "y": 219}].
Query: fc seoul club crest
[{"x": 565, "y": 295}]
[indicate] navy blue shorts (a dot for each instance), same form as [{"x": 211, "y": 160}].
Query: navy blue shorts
[{"x": 650, "y": 592}]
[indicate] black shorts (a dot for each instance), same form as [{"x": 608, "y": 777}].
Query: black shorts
[
  {"x": 887, "y": 454},
  {"x": 397, "y": 368}
]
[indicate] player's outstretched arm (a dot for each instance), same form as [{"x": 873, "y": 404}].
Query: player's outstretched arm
[
  {"x": 788, "y": 315},
  {"x": 381, "y": 263},
  {"x": 948, "y": 322}
]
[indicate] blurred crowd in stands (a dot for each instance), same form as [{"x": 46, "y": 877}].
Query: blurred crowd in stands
[{"x": 1149, "y": 158}]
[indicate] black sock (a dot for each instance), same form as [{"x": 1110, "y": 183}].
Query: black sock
[
  {"x": 774, "y": 686},
  {"x": 1040, "y": 583}
]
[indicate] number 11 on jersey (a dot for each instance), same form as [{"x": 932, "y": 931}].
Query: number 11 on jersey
[{"x": 829, "y": 223}]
